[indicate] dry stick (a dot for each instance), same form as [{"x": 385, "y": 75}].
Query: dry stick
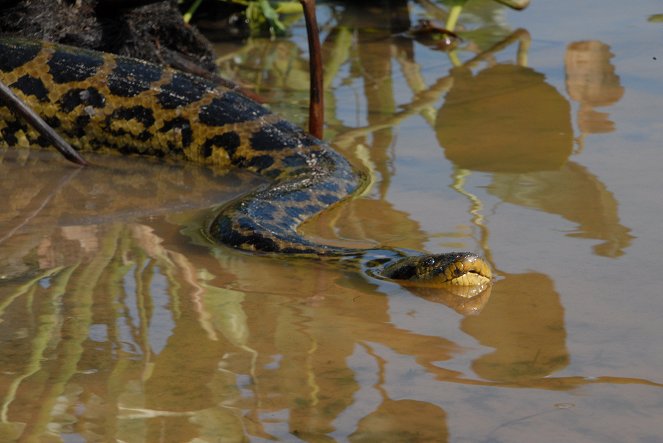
[
  {"x": 316, "y": 113},
  {"x": 17, "y": 106}
]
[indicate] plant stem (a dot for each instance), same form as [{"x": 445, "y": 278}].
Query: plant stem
[{"x": 316, "y": 105}]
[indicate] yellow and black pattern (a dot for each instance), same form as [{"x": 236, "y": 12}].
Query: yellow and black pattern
[{"x": 102, "y": 102}]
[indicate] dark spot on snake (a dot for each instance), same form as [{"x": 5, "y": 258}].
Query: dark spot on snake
[
  {"x": 9, "y": 132},
  {"x": 294, "y": 160},
  {"x": 312, "y": 209},
  {"x": 245, "y": 223},
  {"x": 282, "y": 224},
  {"x": 231, "y": 107},
  {"x": 141, "y": 137},
  {"x": 262, "y": 243},
  {"x": 240, "y": 161},
  {"x": 29, "y": 85},
  {"x": 327, "y": 199},
  {"x": 330, "y": 186},
  {"x": 261, "y": 162},
  {"x": 140, "y": 113},
  {"x": 131, "y": 77},
  {"x": 181, "y": 91},
  {"x": 53, "y": 121},
  {"x": 276, "y": 137},
  {"x": 86, "y": 97},
  {"x": 79, "y": 125},
  {"x": 298, "y": 196},
  {"x": 294, "y": 211},
  {"x": 302, "y": 138},
  {"x": 42, "y": 141},
  {"x": 159, "y": 153},
  {"x": 183, "y": 125},
  {"x": 73, "y": 66},
  {"x": 272, "y": 173},
  {"x": 14, "y": 55},
  {"x": 222, "y": 228},
  {"x": 206, "y": 150},
  {"x": 228, "y": 141},
  {"x": 175, "y": 150},
  {"x": 96, "y": 144},
  {"x": 124, "y": 149},
  {"x": 266, "y": 210}
]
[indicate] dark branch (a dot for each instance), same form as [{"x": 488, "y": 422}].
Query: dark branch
[{"x": 316, "y": 105}]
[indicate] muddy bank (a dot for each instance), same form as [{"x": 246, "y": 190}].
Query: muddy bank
[{"x": 147, "y": 29}]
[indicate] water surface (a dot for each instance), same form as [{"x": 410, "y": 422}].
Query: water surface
[{"x": 535, "y": 143}]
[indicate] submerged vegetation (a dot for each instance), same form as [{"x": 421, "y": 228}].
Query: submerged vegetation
[
  {"x": 261, "y": 15},
  {"x": 275, "y": 16}
]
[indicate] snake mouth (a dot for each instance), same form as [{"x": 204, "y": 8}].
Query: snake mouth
[
  {"x": 472, "y": 271},
  {"x": 469, "y": 279}
]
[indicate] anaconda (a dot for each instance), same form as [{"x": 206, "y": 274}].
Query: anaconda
[{"x": 104, "y": 102}]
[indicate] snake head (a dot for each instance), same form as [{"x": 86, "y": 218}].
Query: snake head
[{"x": 440, "y": 270}]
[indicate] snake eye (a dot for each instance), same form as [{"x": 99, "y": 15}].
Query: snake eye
[{"x": 430, "y": 261}]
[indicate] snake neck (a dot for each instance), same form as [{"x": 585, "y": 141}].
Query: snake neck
[{"x": 268, "y": 220}]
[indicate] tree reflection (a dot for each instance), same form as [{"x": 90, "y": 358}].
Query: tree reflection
[
  {"x": 504, "y": 118},
  {"x": 524, "y": 326},
  {"x": 592, "y": 82},
  {"x": 507, "y": 121}
]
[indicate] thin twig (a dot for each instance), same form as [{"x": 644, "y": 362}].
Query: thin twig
[
  {"x": 316, "y": 105},
  {"x": 17, "y": 106}
]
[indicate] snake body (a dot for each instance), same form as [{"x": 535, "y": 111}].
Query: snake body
[{"x": 104, "y": 102}]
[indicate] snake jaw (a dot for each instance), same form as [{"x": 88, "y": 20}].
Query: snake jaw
[{"x": 440, "y": 270}]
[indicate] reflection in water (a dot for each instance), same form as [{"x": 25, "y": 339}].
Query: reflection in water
[
  {"x": 403, "y": 420},
  {"x": 121, "y": 330},
  {"x": 76, "y": 200},
  {"x": 524, "y": 324},
  {"x": 573, "y": 193},
  {"x": 506, "y": 120},
  {"x": 591, "y": 81}
]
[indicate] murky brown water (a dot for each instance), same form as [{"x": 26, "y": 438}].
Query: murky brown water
[{"x": 536, "y": 143}]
